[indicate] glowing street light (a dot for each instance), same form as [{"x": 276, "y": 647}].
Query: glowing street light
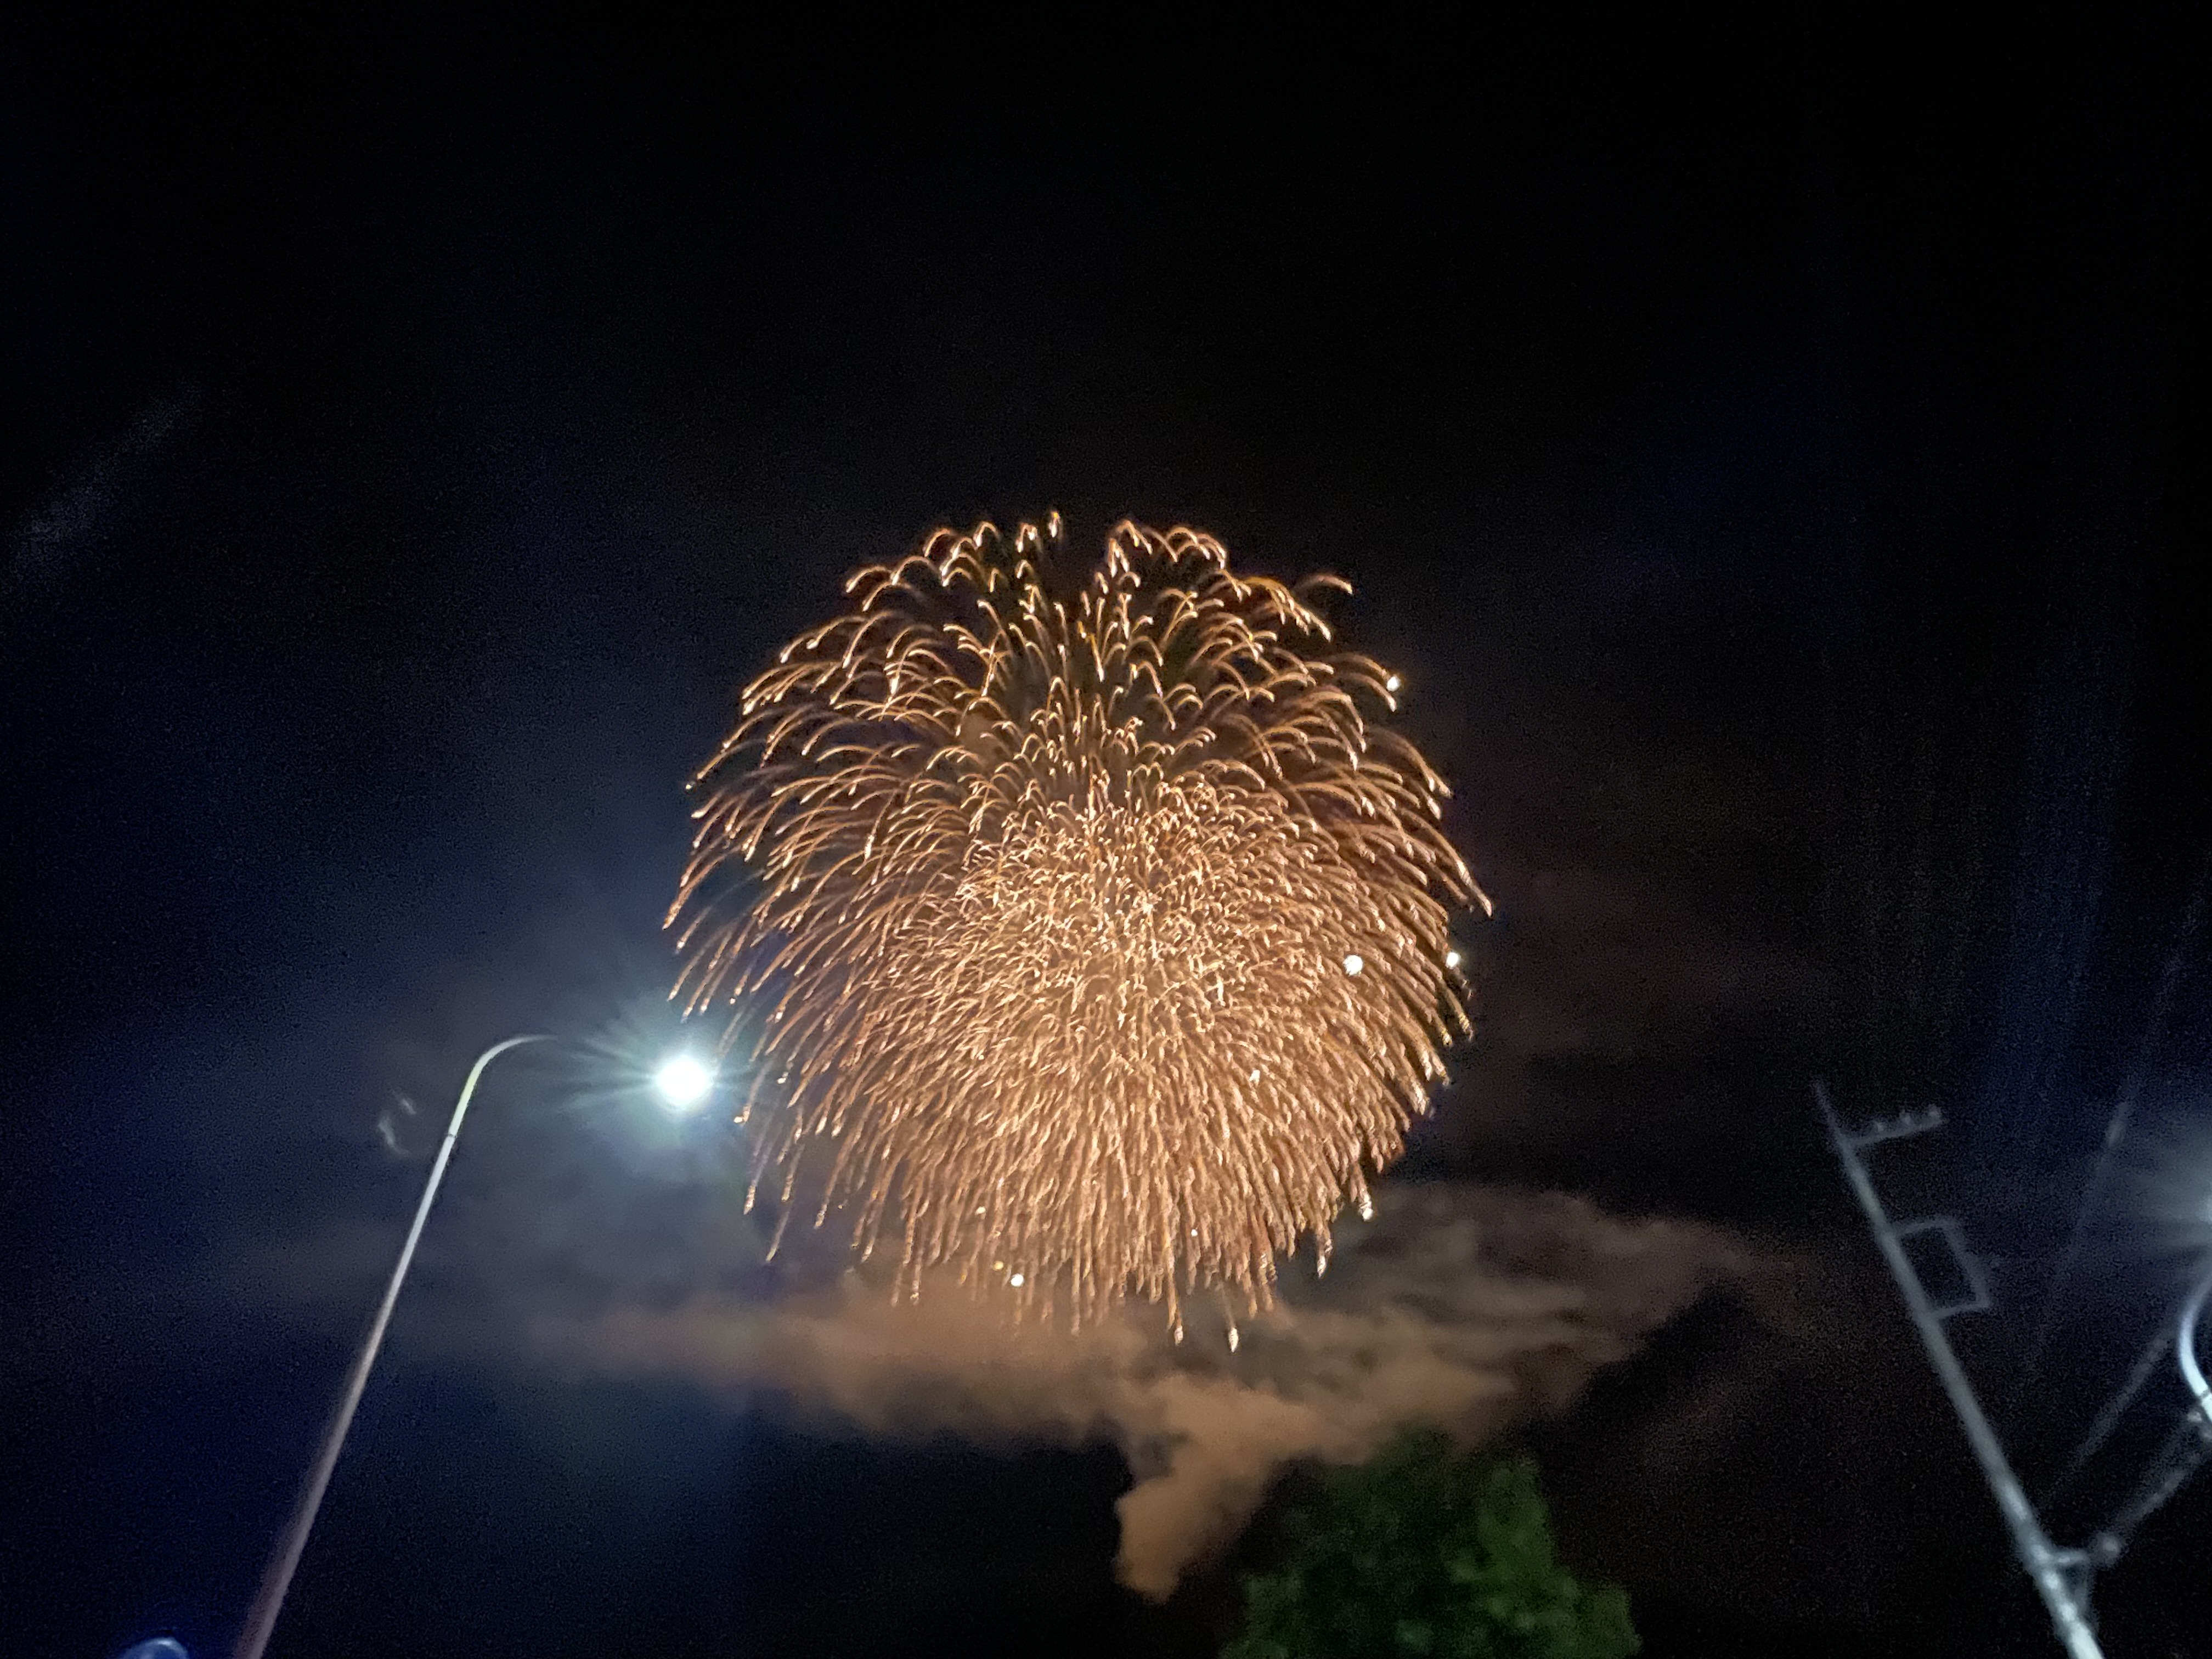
[{"x": 683, "y": 1081}]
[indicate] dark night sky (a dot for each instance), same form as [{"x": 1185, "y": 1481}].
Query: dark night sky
[{"x": 1767, "y": 479}]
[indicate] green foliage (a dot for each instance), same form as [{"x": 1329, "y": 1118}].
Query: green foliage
[{"x": 1427, "y": 1552}]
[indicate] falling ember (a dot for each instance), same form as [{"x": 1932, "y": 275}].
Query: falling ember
[{"x": 1047, "y": 909}]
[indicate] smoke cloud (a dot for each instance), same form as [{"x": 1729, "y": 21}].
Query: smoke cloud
[
  {"x": 44, "y": 550},
  {"x": 1469, "y": 1308}
]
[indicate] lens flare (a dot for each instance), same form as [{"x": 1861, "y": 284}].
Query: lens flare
[
  {"x": 684, "y": 1082},
  {"x": 1106, "y": 933}
]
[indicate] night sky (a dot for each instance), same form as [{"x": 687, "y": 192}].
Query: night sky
[{"x": 1767, "y": 477}]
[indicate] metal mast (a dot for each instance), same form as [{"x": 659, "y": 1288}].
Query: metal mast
[{"x": 2061, "y": 1577}]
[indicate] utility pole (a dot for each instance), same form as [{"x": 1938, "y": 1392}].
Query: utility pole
[{"x": 2061, "y": 1577}]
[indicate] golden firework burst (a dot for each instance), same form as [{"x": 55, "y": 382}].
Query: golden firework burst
[{"x": 1096, "y": 945}]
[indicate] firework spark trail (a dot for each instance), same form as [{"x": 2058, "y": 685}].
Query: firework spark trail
[{"x": 1100, "y": 948}]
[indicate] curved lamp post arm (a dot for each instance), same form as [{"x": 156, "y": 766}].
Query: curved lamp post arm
[
  {"x": 277, "y": 1579},
  {"x": 2185, "y": 1347}
]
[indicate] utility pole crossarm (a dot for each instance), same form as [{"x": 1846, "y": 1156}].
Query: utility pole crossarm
[
  {"x": 1977, "y": 1299},
  {"x": 1877, "y": 1130}
]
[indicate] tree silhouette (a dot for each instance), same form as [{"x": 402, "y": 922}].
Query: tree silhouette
[{"x": 1428, "y": 1551}]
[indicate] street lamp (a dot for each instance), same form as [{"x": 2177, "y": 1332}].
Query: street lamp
[
  {"x": 684, "y": 1082},
  {"x": 2185, "y": 1349}
]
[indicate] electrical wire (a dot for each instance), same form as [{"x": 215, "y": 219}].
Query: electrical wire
[
  {"x": 2116, "y": 1130},
  {"x": 2108, "y": 1418},
  {"x": 2183, "y": 1454}
]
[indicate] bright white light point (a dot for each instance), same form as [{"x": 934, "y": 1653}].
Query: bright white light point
[
  {"x": 1016, "y": 1281},
  {"x": 1451, "y": 958},
  {"x": 685, "y": 1081},
  {"x": 1254, "y": 1077},
  {"x": 1354, "y": 963},
  {"x": 1391, "y": 684}
]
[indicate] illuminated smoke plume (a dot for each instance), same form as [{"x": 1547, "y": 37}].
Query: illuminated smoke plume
[
  {"x": 1471, "y": 1309},
  {"x": 1090, "y": 942}
]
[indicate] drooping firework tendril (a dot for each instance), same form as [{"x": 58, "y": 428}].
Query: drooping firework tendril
[{"x": 1097, "y": 947}]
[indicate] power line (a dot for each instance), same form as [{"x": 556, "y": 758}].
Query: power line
[
  {"x": 2109, "y": 1415},
  {"x": 2183, "y": 1454},
  {"x": 2116, "y": 1130}
]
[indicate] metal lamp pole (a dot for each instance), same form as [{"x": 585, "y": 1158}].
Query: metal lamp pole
[{"x": 277, "y": 1579}]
